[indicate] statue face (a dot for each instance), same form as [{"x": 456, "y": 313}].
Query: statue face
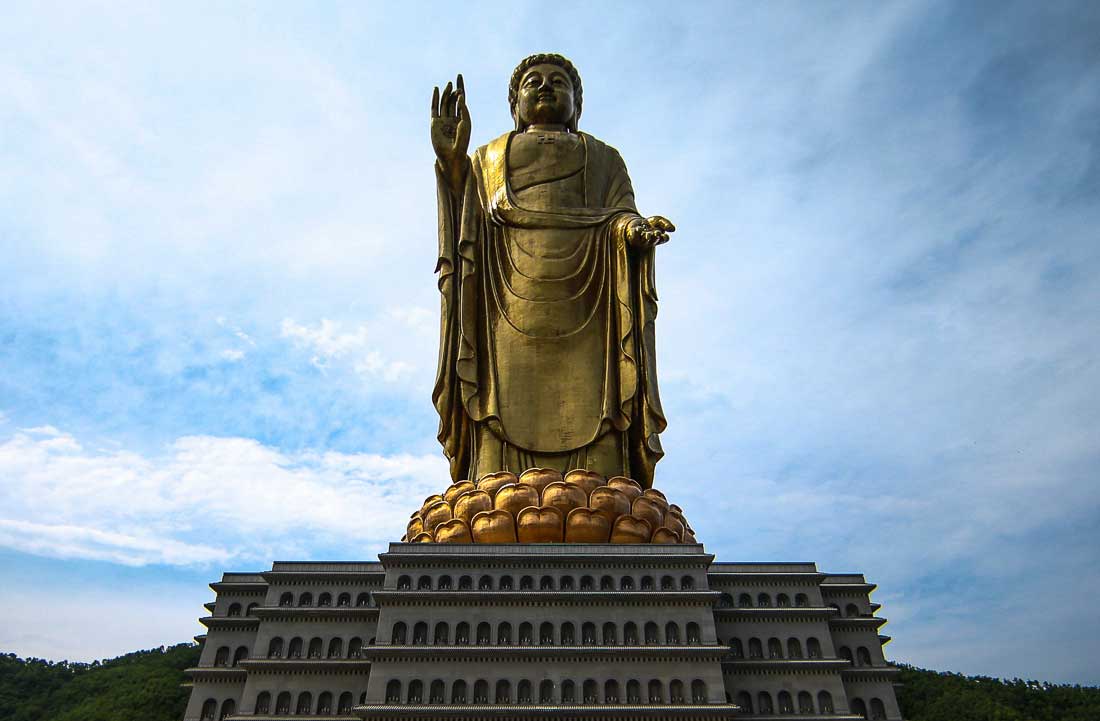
[{"x": 545, "y": 96}]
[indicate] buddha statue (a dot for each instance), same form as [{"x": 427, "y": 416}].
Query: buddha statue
[{"x": 545, "y": 270}]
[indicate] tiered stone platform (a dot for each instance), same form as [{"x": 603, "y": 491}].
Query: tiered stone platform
[{"x": 554, "y": 630}]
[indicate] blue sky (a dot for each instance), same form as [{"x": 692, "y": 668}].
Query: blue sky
[{"x": 878, "y": 333}]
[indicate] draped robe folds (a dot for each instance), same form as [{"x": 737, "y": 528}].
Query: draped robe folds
[{"x": 547, "y": 344}]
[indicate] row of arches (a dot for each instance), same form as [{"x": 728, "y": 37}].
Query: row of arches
[
  {"x": 316, "y": 648},
  {"x": 235, "y": 609},
  {"x": 590, "y": 692},
  {"x": 874, "y": 711},
  {"x": 609, "y": 634},
  {"x": 210, "y": 710},
  {"x": 774, "y": 648},
  {"x": 862, "y": 656},
  {"x": 764, "y": 600},
  {"x": 547, "y": 583},
  {"x": 850, "y": 611},
  {"x": 784, "y": 703},
  {"x": 325, "y": 600},
  {"x": 222, "y": 656},
  {"x": 327, "y": 703}
]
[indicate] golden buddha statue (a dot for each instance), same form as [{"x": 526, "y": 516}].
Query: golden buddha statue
[{"x": 547, "y": 351}]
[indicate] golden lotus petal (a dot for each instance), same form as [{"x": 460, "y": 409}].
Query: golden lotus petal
[
  {"x": 610, "y": 501},
  {"x": 627, "y": 485},
  {"x": 689, "y": 536},
  {"x": 583, "y": 525},
  {"x": 664, "y": 535},
  {"x": 415, "y": 526},
  {"x": 515, "y": 497},
  {"x": 629, "y": 529},
  {"x": 543, "y": 524},
  {"x": 453, "y": 531},
  {"x": 657, "y": 497},
  {"x": 491, "y": 482},
  {"x": 588, "y": 480},
  {"x": 564, "y": 496},
  {"x": 539, "y": 478},
  {"x": 471, "y": 503},
  {"x": 644, "y": 507},
  {"x": 437, "y": 513},
  {"x": 457, "y": 489},
  {"x": 423, "y": 538},
  {"x": 429, "y": 502},
  {"x": 673, "y": 523},
  {"x": 493, "y": 527}
]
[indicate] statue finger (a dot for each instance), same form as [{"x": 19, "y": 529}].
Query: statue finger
[
  {"x": 435, "y": 102},
  {"x": 463, "y": 112},
  {"x": 461, "y": 85},
  {"x": 445, "y": 102},
  {"x": 663, "y": 223}
]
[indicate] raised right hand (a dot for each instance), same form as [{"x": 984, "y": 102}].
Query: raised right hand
[{"x": 451, "y": 130}]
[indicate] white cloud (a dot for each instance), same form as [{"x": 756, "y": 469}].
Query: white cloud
[
  {"x": 205, "y": 500},
  {"x": 328, "y": 343},
  {"x": 233, "y": 355}
]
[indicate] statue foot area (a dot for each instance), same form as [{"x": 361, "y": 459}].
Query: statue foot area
[{"x": 542, "y": 506}]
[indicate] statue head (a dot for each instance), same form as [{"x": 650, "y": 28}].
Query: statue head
[{"x": 546, "y": 89}]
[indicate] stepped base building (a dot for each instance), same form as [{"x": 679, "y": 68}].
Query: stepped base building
[{"x": 532, "y": 631}]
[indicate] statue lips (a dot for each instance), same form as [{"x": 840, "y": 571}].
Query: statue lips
[
  {"x": 540, "y": 525},
  {"x": 564, "y": 496},
  {"x": 540, "y": 478},
  {"x": 663, "y": 535},
  {"x": 491, "y": 482},
  {"x": 629, "y": 529},
  {"x": 588, "y": 480},
  {"x": 471, "y": 503},
  {"x": 457, "y": 489},
  {"x": 515, "y": 498},
  {"x": 437, "y": 513},
  {"x": 583, "y": 525},
  {"x": 645, "y": 508},
  {"x": 610, "y": 502},
  {"x": 493, "y": 527},
  {"x": 627, "y": 485},
  {"x": 453, "y": 531}
]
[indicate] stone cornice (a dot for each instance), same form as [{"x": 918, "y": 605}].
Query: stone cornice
[
  {"x": 547, "y": 598},
  {"x": 850, "y": 623},
  {"x": 244, "y": 588},
  {"x": 870, "y": 673},
  {"x": 756, "y": 666},
  {"x": 315, "y": 613},
  {"x": 242, "y": 623},
  {"x": 772, "y": 613},
  {"x": 476, "y": 712},
  {"x": 307, "y": 665},
  {"x": 520, "y": 556},
  {"x": 453, "y": 654},
  {"x": 217, "y": 674}
]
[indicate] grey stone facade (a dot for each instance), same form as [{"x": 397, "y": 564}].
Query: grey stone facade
[{"x": 567, "y": 631}]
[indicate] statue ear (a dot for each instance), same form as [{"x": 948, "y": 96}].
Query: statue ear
[{"x": 515, "y": 118}]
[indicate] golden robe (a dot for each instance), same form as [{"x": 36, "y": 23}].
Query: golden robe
[{"x": 546, "y": 354}]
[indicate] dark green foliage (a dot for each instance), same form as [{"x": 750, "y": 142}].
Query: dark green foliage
[
  {"x": 145, "y": 686},
  {"x": 140, "y": 686},
  {"x": 931, "y": 696}
]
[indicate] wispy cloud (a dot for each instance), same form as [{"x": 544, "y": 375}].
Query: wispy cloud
[{"x": 66, "y": 500}]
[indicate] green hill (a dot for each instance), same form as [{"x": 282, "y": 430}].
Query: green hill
[
  {"x": 145, "y": 686},
  {"x": 140, "y": 686}
]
